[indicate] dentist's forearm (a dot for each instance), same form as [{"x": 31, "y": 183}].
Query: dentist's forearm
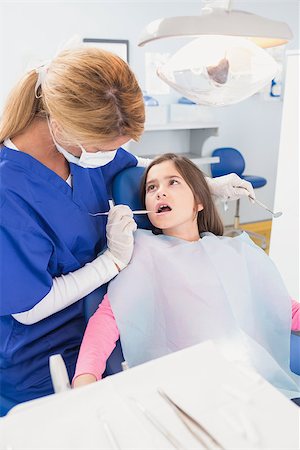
[{"x": 68, "y": 289}]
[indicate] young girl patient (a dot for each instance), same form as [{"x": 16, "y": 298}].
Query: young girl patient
[{"x": 188, "y": 284}]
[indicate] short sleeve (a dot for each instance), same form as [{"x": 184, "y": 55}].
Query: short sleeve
[{"x": 24, "y": 278}]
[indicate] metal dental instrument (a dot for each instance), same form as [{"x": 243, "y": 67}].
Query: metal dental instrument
[
  {"x": 275, "y": 215},
  {"x": 158, "y": 425},
  {"x": 110, "y": 435},
  {"x": 138, "y": 211},
  {"x": 197, "y": 430},
  {"x": 114, "y": 444}
]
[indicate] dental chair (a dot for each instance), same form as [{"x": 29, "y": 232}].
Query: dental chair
[{"x": 126, "y": 191}]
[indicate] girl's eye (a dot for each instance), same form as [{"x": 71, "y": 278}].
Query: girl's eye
[
  {"x": 174, "y": 182},
  {"x": 150, "y": 188}
]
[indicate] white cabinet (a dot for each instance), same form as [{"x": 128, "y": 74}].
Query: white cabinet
[{"x": 178, "y": 137}]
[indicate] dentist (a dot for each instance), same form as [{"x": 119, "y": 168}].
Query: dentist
[{"x": 61, "y": 137}]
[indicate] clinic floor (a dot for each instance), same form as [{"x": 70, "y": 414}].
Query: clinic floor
[{"x": 263, "y": 228}]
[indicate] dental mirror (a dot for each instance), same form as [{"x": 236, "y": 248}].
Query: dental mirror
[{"x": 274, "y": 214}]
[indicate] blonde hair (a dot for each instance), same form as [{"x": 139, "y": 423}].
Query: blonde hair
[{"x": 92, "y": 94}]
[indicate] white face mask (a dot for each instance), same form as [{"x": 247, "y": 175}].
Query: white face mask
[
  {"x": 87, "y": 160},
  {"x": 93, "y": 160}
]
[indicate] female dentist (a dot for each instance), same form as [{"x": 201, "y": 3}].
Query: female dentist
[{"x": 61, "y": 136}]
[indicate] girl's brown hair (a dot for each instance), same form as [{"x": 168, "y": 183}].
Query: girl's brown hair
[
  {"x": 92, "y": 94},
  {"x": 208, "y": 219}
]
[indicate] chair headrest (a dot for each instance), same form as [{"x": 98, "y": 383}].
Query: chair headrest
[{"x": 126, "y": 191}]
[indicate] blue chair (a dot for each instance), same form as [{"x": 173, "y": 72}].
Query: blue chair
[
  {"x": 295, "y": 352},
  {"x": 232, "y": 161},
  {"x": 125, "y": 191}
]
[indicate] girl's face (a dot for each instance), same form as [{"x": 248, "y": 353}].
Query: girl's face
[{"x": 173, "y": 202}]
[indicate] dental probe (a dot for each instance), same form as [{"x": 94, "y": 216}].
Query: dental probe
[
  {"x": 192, "y": 423},
  {"x": 158, "y": 425},
  {"x": 110, "y": 435},
  {"x": 138, "y": 211},
  {"x": 114, "y": 444}
]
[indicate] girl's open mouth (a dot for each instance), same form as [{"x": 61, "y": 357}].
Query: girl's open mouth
[{"x": 163, "y": 208}]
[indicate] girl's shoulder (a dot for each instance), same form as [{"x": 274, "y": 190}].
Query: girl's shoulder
[
  {"x": 242, "y": 238},
  {"x": 241, "y": 243}
]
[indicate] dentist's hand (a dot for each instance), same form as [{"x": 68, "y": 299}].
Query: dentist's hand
[
  {"x": 230, "y": 187},
  {"x": 119, "y": 232}
]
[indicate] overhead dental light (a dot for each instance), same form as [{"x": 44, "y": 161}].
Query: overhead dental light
[
  {"x": 215, "y": 72},
  {"x": 217, "y": 18},
  {"x": 226, "y": 63}
]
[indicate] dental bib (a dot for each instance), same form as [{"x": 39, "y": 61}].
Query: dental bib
[{"x": 175, "y": 294}]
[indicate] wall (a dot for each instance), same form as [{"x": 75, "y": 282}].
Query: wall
[
  {"x": 286, "y": 230},
  {"x": 33, "y": 31}
]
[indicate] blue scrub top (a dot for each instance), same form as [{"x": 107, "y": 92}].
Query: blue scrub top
[{"x": 46, "y": 231}]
